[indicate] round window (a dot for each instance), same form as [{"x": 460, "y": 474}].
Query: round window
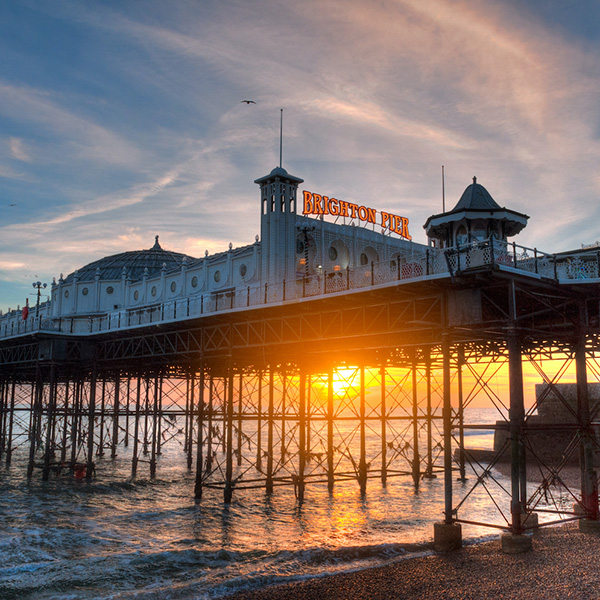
[
  {"x": 217, "y": 276},
  {"x": 333, "y": 253},
  {"x": 243, "y": 270},
  {"x": 153, "y": 290},
  {"x": 136, "y": 295},
  {"x": 194, "y": 281},
  {"x": 110, "y": 290},
  {"x": 173, "y": 286},
  {"x": 85, "y": 291}
]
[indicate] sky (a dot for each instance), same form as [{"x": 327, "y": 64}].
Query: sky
[{"x": 123, "y": 120}]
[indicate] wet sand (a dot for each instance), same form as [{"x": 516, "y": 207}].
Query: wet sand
[{"x": 563, "y": 564}]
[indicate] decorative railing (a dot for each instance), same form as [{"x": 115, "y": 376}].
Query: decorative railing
[{"x": 454, "y": 261}]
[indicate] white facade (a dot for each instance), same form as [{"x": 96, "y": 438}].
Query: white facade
[{"x": 296, "y": 256}]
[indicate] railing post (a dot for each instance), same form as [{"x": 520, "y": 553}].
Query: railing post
[
  {"x": 248, "y": 296},
  {"x": 202, "y": 304},
  {"x": 536, "y": 259},
  {"x": 555, "y": 271},
  {"x": 372, "y": 273},
  {"x": 266, "y": 288},
  {"x": 426, "y": 261},
  {"x": 284, "y": 290},
  {"x": 598, "y": 264},
  {"x": 514, "y": 254},
  {"x": 216, "y": 302},
  {"x": 348, "y": 275},
  {"x": 304, "y": 286}
]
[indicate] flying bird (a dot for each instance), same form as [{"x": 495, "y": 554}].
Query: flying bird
[{"x": 248, "y": 101}]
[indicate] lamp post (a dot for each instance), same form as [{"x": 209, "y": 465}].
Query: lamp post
[{"x": 39, "y": 286}]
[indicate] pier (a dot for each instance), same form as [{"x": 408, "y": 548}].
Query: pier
[{"x": 279, "y": 382}]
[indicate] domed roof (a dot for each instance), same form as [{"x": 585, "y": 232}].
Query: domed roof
[
  {"x": 281, "y": 173},
  {"x": 134, "y": 262},
  {"x": 476, "y": 197}
]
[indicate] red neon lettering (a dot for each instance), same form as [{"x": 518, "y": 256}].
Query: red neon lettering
[{"x": 308, "y": 204}]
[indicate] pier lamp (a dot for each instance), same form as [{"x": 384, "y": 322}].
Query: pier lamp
[
  {"x": 304, "y": 229},
  {"x": 39, "y": 286}
]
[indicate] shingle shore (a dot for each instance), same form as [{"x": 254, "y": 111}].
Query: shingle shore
[{"x": 564, "y": 564}]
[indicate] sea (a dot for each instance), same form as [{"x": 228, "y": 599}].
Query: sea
[{"x": 115, "y": 537}]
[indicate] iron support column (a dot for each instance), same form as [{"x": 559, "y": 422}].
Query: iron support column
[
  {"x": 589, "y": 481},
  {"x": 199, "y": 447},
  {"x": 330, "y": 474},
  {"x": 517, "y": 420},
  {"x": 89, "y": 470},
  {"x": 362, "y": 464},
  {"x": 383, "y": 427},
  {"x": 301, "y": 436},
  {"x": 228, "y": 492},
  {"x": 416, "y": 460},
  {"x": 269, "y": 480},
  {"x": 447, "y": 417}
]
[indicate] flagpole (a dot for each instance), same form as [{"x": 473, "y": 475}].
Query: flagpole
[
  {"x": 280, "y": 137},
  {"x": 443, "y": 192}
]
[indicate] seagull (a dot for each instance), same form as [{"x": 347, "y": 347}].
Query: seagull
[{"x": 247, "y": 102}]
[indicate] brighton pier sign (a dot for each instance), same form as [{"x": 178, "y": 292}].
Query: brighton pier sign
[{"x": 315, "y": 204}]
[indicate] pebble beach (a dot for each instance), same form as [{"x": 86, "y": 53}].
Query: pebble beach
[{"x": 563, "y": 564}]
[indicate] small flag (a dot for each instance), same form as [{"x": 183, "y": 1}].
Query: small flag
[{"x": 25, "y": 311}]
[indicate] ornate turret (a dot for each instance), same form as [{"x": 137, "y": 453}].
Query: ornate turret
[
  {"x": 476, "y": 216},
  {"x": 278, "y": 195}
]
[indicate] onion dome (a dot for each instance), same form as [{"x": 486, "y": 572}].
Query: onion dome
[
  {"x": 476, "y": 197},
  {"x": 136, "y": 264},
  {"x": 476, "y": 216}
]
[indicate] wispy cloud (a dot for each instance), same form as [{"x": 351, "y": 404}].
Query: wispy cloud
[
  {"x": 144, "y": 133},
  {"x": 18, "y": 151}
]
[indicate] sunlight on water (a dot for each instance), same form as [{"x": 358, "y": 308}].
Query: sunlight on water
[{"x": 117, "y": 538}]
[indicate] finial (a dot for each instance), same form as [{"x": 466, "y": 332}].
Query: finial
[
  {"x": 206, "y": 253},
  {"x": 230, "y": 246},
  {"x": 474, "y": 179},
  {"x": 156, "y": 244},
  {"x": 256, "y": 238}
]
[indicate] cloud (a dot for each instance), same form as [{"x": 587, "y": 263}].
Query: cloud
[
  {"x": 79, "y": 136},
  {"x": 17, "y": 150}
]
